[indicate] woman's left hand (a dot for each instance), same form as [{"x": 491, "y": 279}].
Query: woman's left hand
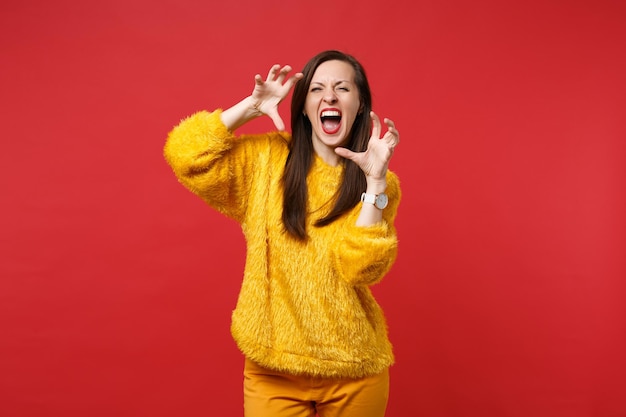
[{"x": 375, "y": 160}]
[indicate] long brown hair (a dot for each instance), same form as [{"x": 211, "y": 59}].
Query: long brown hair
[{"x": 301, "y": 153}]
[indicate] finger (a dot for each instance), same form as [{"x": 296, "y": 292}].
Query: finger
[
  {"x": 278, "y": 122},
  {"x": 273, "y": 71},
  {"x": 393, "y": 131},
  {"x": 283, "y": 73},
  {"x": 258, "y": 80},
  {"x": 392, "y": 139},
  {"x": 345, "y": 153},
  {"x": 391, "y": 126},
  {"x": 294, "y": 79},
  {"x": 291, "y": 81},
  {"x": 375, "y": 125}
]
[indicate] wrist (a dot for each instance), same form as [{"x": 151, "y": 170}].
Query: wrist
[
  {"x": 240, "y": 114},
  {"x": 376, "y": 186},
  {"x": 379, "y": 201},
  {"x": 253, "y": 107}
]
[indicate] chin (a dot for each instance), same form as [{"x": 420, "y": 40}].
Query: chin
[{"x": 335, "y": 143}]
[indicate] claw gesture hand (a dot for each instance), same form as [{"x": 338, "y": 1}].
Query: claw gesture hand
[
  {"x": 375, "y": 160},
  {"x": 268, "y": 93}
]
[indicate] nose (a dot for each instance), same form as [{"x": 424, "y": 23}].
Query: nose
[{"x": 330, "y": 96}]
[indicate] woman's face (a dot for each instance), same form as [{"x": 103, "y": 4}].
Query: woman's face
[{"x": 332, "y": 104}]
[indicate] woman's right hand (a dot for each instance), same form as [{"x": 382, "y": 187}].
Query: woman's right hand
[{"x": 268, "y": 93}]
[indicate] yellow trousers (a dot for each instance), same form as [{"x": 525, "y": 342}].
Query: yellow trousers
[{"x": 269, "y": 393}]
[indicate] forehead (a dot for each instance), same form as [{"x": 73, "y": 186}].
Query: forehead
[{"x": 333, "y": 71}]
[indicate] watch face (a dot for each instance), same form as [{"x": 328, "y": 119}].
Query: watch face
[{"x": 381, "y": 201}]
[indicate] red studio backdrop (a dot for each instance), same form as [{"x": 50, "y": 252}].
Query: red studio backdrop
[{"x": 117, "y": 284}]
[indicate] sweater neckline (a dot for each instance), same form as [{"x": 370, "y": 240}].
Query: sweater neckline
[{"x": 320, "y": 164}]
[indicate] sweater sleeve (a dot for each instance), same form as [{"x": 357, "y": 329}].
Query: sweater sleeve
[
  {"x": 365, "y": 254},
  {"x": 212, "y": 162}
]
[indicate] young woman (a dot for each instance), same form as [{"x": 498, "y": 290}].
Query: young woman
[{"x": 317, "y": 209}]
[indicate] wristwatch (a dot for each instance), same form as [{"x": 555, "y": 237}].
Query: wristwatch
[{"x": 379, "y": 200}]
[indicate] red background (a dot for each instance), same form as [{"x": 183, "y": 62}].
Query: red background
[{"x": 508, "y": 297}]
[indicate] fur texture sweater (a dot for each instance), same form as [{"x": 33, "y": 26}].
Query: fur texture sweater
[{"x": 304, "y": 307}]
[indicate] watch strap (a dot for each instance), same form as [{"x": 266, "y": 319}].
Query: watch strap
[{"x": 368, "y": 198}]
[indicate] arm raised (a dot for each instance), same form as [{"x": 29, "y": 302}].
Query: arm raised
[{"x": 265, "y": 98}]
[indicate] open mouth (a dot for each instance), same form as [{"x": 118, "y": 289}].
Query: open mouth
[{"x": 331, "y": 121}]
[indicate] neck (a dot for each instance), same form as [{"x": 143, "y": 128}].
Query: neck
[{"x": 327, "y": 154}]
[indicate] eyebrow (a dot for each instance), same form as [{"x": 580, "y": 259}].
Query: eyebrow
[{"x": 336, "y": 83}]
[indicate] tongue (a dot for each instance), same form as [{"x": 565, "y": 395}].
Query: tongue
[{"x": 330, "y": 126}]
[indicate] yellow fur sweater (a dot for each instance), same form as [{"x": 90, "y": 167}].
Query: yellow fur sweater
[{"x": 304, "y": 307}]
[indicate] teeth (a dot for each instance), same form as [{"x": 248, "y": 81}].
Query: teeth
[{"x": 331, "y": 113}]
